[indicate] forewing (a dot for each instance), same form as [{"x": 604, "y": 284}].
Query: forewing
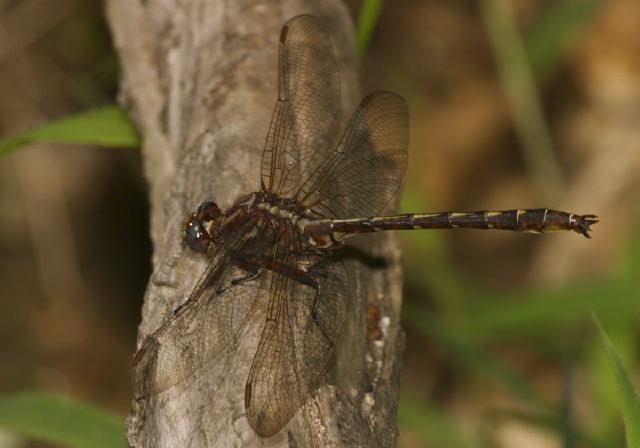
[
  {"x": 309, "y": 98},
  {"x": 364, "y": 172},
  {"x": 294, "y": 351},
  {"x": 204, "y": 326}
]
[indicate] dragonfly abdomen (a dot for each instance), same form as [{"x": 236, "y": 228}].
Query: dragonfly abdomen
[{"x": 538, "y": 220}]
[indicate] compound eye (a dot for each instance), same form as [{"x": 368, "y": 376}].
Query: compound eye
[
  {"x": 208, "y": 211},
  {"x": 196, "y": 236}
]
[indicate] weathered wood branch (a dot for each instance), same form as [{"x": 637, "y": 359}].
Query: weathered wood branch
[{"x": 200, "y": 81}]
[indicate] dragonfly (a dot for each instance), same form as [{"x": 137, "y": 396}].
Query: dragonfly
[{"x": 281, "y": 246}]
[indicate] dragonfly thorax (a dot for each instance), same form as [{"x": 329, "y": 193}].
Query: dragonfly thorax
[{"x": 287, "y": 216}]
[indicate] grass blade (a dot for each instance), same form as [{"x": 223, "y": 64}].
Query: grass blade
[
  {"x": 629, "y": 397},
  {"x": 367, "y": 19},
  {"x": 109, "y": 126},
  {"x": 555, "y": 31},
  {"x": 520, "y": 87},
  {"x": 62, "y": 421}
]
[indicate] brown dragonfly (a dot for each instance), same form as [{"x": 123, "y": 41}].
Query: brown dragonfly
[{"x": 281, "y": 246}]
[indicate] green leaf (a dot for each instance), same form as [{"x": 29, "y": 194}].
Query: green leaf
[
  {"x": 109, "y": 126},
  {"x": 367, "y": 19},
  {"x": 60, "y": 421},
  {"x": 629, "y": 397}
]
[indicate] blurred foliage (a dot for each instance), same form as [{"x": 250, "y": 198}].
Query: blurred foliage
[
  {"x": 60, "y": 421},
  {"x": 555, "y": 31},
  {"x": 469, "y": 317},
  {"x": 628, "y": 395},
  {"x": 464, "y": 318},
  {"x": 519, "y": 84},
  {"x": 367, "y": 19},
  {"x": 430, "y": 423},
  {"x": 109, "y": 126}
]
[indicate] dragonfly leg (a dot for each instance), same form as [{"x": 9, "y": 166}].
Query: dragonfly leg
[
  {"x": 250, "y": 276},
  {"x": 255, "y": 267},
  {"x": 315, "y": 285},
  {"x": 314, "y": 315},
  {"x": 253, "y": 271}
]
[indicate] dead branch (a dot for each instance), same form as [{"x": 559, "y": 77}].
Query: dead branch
[{"x": 199, "y": 79}]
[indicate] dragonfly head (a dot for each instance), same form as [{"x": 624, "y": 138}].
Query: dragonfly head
[{"x": 200, "y": 227}]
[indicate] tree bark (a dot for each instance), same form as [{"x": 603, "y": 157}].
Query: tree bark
[{"x": 199, "y": 79}]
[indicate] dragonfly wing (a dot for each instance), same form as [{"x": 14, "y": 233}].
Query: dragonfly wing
[
  {"x": 295, "y": 349},
  {"x": 364, "y": 172},
  {"x": 307, "y": 106},
  {"x": 207, "y": 324}
]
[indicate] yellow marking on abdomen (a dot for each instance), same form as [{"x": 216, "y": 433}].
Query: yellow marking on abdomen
[{"x": 490, "y": 225}]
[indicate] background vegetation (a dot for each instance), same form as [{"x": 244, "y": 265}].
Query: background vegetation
[{"x": 515, "y": 103}]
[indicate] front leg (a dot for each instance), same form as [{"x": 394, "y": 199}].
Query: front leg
[
  {"x": 314, "y": 314},
  {"x": 253, "y": 270},
  {"x": 304, "y": 277}
]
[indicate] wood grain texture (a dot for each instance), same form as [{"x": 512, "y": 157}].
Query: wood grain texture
[{"x": 200, "y": 80}]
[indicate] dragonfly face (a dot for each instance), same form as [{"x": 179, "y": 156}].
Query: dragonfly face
[{"x": 201, "y": 227}]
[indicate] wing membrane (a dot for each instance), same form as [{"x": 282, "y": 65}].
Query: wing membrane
[
  {"x": 365, "y": 170},
  {"x": 204, "y": 326},
  {"x": 307, "y": 105},
  {"x": 294, "y": 351}
]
